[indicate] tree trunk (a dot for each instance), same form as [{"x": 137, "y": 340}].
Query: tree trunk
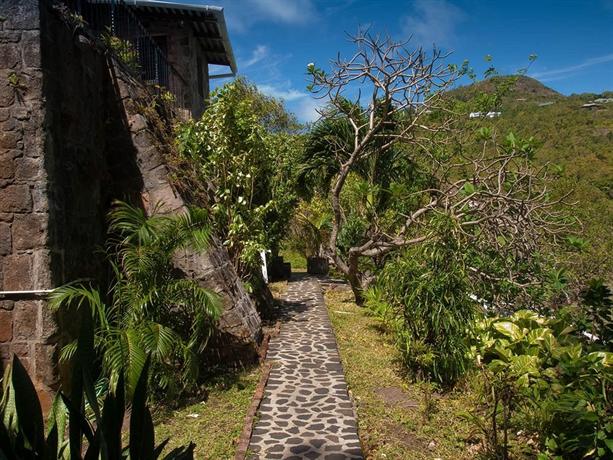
[{"x": 355, "y": 280}]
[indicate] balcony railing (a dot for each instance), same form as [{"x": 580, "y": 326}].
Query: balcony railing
[{"x": 114, "y": 22}]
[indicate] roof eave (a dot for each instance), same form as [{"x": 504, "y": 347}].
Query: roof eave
[{"x": 216, "y": 11}]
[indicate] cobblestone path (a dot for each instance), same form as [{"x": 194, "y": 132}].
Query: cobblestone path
[{"x": 306, "y": 412}]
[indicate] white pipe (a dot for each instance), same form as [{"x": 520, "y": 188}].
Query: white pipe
[{"x": 35, "y": 292}]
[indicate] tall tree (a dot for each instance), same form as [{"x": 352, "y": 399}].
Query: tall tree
[{"x": 388, "y": 98}]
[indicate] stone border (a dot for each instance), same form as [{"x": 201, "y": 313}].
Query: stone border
[{"x": 245, "y": 437}]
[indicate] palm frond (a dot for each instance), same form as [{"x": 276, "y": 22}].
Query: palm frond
[
  {"x": 160, "y": 341},
  {"x": 77, "y": 295},
  {"x": 133, "y": 225},
  {"x": 68, "y": 351},
  {"x": 125, "y": 354}
]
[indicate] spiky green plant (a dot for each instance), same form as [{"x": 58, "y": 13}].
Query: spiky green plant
[
  {"x": 423, "y": 295},
  {"x": 149, "y": 308}
]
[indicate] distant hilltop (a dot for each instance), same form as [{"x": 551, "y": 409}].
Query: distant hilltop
[{"x": 524, "y": 88}]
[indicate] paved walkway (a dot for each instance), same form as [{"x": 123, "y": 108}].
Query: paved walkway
[{"x": 306, "y": 412}]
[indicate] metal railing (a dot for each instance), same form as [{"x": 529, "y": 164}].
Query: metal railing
[{"x": 140, "y": 53}]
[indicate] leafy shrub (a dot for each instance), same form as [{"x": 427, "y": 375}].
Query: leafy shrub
[
  {"x": 424, "y": 296},
  {"x": 243, "y": 146},
  {"x": 597, "y": 305},
  {"x": 310, "y": 227},
  {"x": 124, "y": 50},
  {"x": 148, "y": 308},
  {"x": 537, "y": 375}
]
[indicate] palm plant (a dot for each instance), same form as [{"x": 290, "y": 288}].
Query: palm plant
[{"x": 148, "y": 309}]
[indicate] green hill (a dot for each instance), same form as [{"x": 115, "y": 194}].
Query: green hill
[
  {"x": 522, "y": 88},
  {"x": 578, "y": 143}
]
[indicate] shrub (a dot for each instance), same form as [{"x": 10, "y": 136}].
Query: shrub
[
  {"x": 424, "y": 296},
  {"x": 243, "y": 146},
  {"x": 148, "y": 308},
  {"x": 537, "y": 375}
]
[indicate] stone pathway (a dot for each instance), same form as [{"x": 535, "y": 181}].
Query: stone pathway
[{"x": 306, "y": 412}]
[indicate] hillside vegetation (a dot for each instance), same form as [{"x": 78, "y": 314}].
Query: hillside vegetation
[{"x": 577, "y": 142}]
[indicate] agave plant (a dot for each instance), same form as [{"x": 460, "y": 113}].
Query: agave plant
[{"x": 148, "y": 309}]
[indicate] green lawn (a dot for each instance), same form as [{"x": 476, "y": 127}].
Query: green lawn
[
  {"x": 214, "y": 425},
  {"x": 295, "y": 258},
  {"x": 397, "y": 419}
]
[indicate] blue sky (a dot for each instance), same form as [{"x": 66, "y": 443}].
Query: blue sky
[{"x": 274, "y": 40}]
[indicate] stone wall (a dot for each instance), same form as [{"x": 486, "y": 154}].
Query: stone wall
[
  {"x": 240, "y": 327},
  {"x": 75, "y": 134},
  {"x": 26, "y": 328}
]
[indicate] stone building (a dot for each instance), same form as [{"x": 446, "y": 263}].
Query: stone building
[
  {"x": 185, "y": 40},
  {"x": 74, "y": 135},
  {"x": 192, "y": 37}
]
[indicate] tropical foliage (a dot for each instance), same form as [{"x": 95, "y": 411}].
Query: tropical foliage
[
  {"x": 424, "y": 297},
  {"x": 148, "y": 309},
  {"x": 541, "y": 378},
  {"x": 391, "y": 162},
  {"x": 76, "y": 430},
  {"x": 243, "y": 146}
]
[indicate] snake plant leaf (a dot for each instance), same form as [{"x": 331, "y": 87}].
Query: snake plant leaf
[
  {"x": 29, "y": 412},
  {"x": 141, "y": 426},
  {"x": 112, "y": 420}
]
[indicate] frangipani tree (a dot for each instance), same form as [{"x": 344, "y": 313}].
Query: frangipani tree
[{"x": 389, "y": 98}]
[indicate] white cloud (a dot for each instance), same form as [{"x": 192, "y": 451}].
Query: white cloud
[
  {"x": 434, "y": 21},
  {"x": 565, "y": 72},
  {"x": 242, "y": 14},
  {"x": 287, "y": 94},
  {"x": 290, "y": 12},
  {"x": 301, "y": 103},
  {"x": 307, "y": 109},
  {"x": 259, "y": 53}
]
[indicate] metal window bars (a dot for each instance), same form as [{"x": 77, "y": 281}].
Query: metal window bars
[{"x": 115, "y": 23}]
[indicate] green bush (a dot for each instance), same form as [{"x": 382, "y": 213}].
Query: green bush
[
  {"x": 539, "y": 376},
  {"x": 243, "y": 145},
  {"x": 148, "y": 308},
  {"x": 424, "y": 296}
]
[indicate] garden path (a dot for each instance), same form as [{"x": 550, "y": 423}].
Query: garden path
[{"x": 306, "y": 412}]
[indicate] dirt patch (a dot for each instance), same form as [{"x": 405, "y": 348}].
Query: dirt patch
[
  {"x": 394, "y": 396},
  {"x": 395, "y": 434}
]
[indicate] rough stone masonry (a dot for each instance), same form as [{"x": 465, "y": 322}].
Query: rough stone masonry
[{"x": 71, "y": 141}]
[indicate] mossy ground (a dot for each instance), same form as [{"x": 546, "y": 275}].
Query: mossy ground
[
  {"x": 213, "y": 425},
  {"x": 397, "y": 419}
]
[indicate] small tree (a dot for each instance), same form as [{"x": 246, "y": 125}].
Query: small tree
[
  {"x": 242, "y": 147},
  {"x": 388, "y": 101}
]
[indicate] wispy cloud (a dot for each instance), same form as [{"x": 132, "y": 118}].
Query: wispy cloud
[
  {"x": 259, "y": 53},
  {"x": 291, "y": 12},
  {"x": 565, "y": 72},
  {"x": 287, "y": 94},
  {"x": 242, "y": 14},
  {"x": 303, "y": 104},
  {"x": 307, "y": 109},
  {"x": 433, "y": 22}
]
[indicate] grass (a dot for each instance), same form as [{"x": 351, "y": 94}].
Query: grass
[
  {"x": 295, "y": 258},
  {"x": 213, "y": 425},
  {"x": 397, "y": 419}
]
